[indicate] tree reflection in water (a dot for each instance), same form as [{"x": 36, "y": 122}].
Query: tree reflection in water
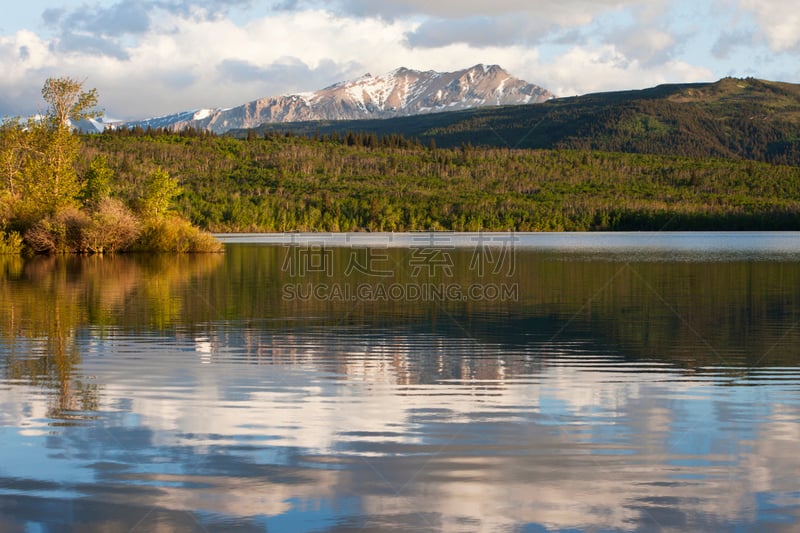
[{"x": 48, "y": 302}]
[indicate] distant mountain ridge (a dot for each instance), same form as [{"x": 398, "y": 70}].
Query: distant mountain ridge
[
  {"x": 402, "y": 92},
  {"x": 730, "y": 118}
]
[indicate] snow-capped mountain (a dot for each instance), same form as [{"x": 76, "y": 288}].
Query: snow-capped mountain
[{"x": 402, "y": 92}]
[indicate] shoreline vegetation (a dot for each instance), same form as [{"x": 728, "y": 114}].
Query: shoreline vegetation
[
  {"x": 53, "y": 201},
  {"x": 281, "y": 182}
]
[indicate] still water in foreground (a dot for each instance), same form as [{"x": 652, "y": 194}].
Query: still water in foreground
[{"x": 439, "y": 385}]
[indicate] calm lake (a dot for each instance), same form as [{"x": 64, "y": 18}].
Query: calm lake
[{"x": 417, "y": 382}]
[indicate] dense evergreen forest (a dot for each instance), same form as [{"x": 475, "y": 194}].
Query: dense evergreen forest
[{"x": 353, "y": 182}]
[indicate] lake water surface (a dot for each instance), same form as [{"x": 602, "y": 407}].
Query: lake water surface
[{"x": 416, "y": 382}]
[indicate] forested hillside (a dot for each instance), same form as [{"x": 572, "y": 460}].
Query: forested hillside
[
  {"x": 732, "y": 118},
  {"x": 365, "y": 182}
]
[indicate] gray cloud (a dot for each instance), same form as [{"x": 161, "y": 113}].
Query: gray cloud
[
  {"x": 52, "y": 16},
  {"x": 572, "y": 36},
  {"x": 21, "y": 101},
  {"x": 455, "y": 9},
  {"x": 287, "y": 5},
  {"x": 479, "y": 31},
  {"x": 728, "y": 41},
  {"x": 241, "y": 71},
  {"x": 97, "y": 30},
  {"x": 7, "y": 108},
  {"x": 482, "y": 23},
  {"x": 644, "y": 42},
  {"x": 124, "y": 17},
  {"x": 98, "y": 45},
  {"x": 203, "y": 8},
  {"x": 288, "y": 73},
  {"x": 178, "y": 79},
  {"x": 647, "y": 45}
]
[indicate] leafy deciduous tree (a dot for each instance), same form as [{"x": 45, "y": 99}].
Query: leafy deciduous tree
[
  {"x": 50, "y": 181},
  {"x": 159, "y": 190},
  {"x": 13, "y": 155},
  {"x": 68, "y": 101},
  {"x": 97, "y": 182}
]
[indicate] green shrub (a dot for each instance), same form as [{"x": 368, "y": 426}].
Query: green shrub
[
  {"x": 10, "y": 243},
  {"x": 112, "y": 227},
  {"x": 174, "y": 234}
]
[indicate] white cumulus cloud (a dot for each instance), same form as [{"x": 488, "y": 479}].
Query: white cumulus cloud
[
  {"x": 152, "y": 57},
  {"x": 594, "y": 69},
  {"x": 778, "y": 22}
]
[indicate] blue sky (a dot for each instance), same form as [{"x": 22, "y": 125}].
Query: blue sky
[{"x": 153, "y": 57}]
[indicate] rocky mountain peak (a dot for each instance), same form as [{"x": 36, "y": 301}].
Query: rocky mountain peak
[{"x": 401, "y": 92}]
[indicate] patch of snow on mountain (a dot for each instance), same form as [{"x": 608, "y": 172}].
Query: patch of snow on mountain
[
  {"x": 202, "y": 113},
  {"x": 404, "y": 94},
  {"x": 356, "y": 93},
  {"x": 501, "y": 88},
  {"x": 379, "y": 91},
  {"x": 308, "y": 97}
]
